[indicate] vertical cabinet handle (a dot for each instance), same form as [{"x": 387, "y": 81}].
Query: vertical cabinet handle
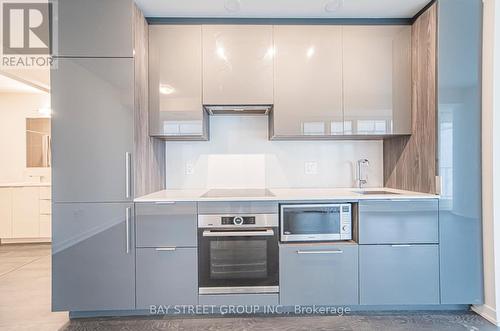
[
  {"x": 127, "y": 229},
  {"x": 128, "y": 160}
]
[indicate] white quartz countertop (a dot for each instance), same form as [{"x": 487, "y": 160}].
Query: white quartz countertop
[
  {"x": 281, "y": 194},
  {"x": 24, "y": 184}
]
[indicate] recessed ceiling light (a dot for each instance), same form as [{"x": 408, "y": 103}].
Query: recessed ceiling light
[
  {"x": 334, "y": 5},
  {"x": 232, "y": 6}
]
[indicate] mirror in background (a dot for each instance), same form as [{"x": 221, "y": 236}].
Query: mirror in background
[{"x": 38, "y": 143}]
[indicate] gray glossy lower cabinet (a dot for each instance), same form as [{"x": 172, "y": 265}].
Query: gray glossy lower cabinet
[
  {"x": 173, "y": 224},
  {"x": 166, "y": 276},
  {"x": 399, "y": 274},
  {"x": 93, "y": 257},
  {"x": 394, "y": 222},
  {"x": 318, "y": 274}
]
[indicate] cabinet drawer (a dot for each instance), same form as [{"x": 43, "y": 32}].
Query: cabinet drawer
[
  {"x": 166, "y": 277},
  {"x": 45, "y": 207},
  {"x": 318, "y": 274},
  {"x": 393, "y": 222},
  {"x": 45, "y": 193},
  {"x": 399, "y": 274},
  {"x": 160, "y": 225},
  {"x": 45, "y": 226}
]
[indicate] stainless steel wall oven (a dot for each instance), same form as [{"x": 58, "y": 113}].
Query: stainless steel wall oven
[{"x": 238, "y": 254}]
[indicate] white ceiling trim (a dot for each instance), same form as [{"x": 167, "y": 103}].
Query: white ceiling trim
[{"x": 282, "y": 8}]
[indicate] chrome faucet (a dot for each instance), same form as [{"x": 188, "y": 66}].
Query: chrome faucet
[{"x": 362, "y": 180}]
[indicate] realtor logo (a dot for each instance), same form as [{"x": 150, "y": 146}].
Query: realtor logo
[
  {"x": 27, "y": 33},
  {"x": 26, "y": 28}
]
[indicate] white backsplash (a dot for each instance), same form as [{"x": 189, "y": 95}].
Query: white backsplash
[{"x": 239, "y": 154}]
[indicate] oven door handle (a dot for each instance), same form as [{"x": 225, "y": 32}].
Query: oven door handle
[{"x": 264, "y": 233}]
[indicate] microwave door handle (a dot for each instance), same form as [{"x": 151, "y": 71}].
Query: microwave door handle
[{"x": 208, "y": 233}]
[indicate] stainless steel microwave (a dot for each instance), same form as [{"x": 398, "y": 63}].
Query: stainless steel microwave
[{"x": 315, "y": 222}]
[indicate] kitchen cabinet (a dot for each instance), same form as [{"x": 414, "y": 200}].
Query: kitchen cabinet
[
  {"x": 5, "y": 212},
  {"x": 307, "y": 81},
  {"x": 238, "y": 64},
  {"x": 318, "y": 274},
  {"x": 45, "y": 227},
  {"x": 171, "y": 224},
  {"x": 166, "y": 276},
  {"x": 393, "y": 222},
  {"x": 25, "y": 212},
  {"x": 398, "y": 274},
  {"x": 377, "y": 80},
  {"x": 94, "y": 28},
  {"x": 92, "y": 129},
  {"x": 93, "y": 257},
  {"x": 175, "y": 83}
]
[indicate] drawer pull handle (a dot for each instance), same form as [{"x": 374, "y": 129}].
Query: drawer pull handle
[
  {"x": 165, "y": 249},
  {"x": 336, "y": 251},
  {"x": 401, "y": 245},
  {"x": 164, "y": 202}
]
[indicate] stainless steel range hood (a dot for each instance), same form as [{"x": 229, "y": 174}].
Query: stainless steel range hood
[{"x": 238, "y": 109}]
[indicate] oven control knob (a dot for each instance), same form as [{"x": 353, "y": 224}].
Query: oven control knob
[
  {"x": 345, "y": 228},
  {"x": 238, "y": 220}
]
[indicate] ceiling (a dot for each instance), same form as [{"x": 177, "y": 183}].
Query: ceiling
[
  {"x": 282, "y": 8},
  {"x": 24, "y": 80}
]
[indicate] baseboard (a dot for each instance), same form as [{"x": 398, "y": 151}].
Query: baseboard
[
  {"x": 25, "y": 240},
  {"x": 487, "y": 313}
]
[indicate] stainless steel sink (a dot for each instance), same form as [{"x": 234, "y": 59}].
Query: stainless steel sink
[{"x": 364, "y": 192}]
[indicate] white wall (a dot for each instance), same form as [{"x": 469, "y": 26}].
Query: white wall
[
  {"x": 491, "y": 161},
  {"x": 239, "y": 154},
  {"x": 14, "y": 109}
]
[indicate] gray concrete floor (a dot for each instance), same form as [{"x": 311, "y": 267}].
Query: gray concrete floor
[
  {"x": 25, "y": 305},
  {"x": 25, "y": 286}
]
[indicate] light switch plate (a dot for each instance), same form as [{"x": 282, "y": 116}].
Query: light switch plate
[{"x": 311, "y": 168}]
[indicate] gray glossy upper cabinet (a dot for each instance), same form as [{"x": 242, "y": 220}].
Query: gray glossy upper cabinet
[
  {"x": 93, "y": 257},
  {"x": 92, "y": 129},
  {"x": 94, "y": 28},
  {"x": 238, "y": 64},
  {"x": 175, "y": 83},
  {"x": 377, "y": 80},
  {"x": 308, "y": 81}
]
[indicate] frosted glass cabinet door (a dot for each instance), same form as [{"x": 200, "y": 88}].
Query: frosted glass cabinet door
[
  {"x": 377, "y": 80},
  {"x": 175, "y": 81},
  {"x": 308, "y": 80},
  {"x": 237, "y": 64}
]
